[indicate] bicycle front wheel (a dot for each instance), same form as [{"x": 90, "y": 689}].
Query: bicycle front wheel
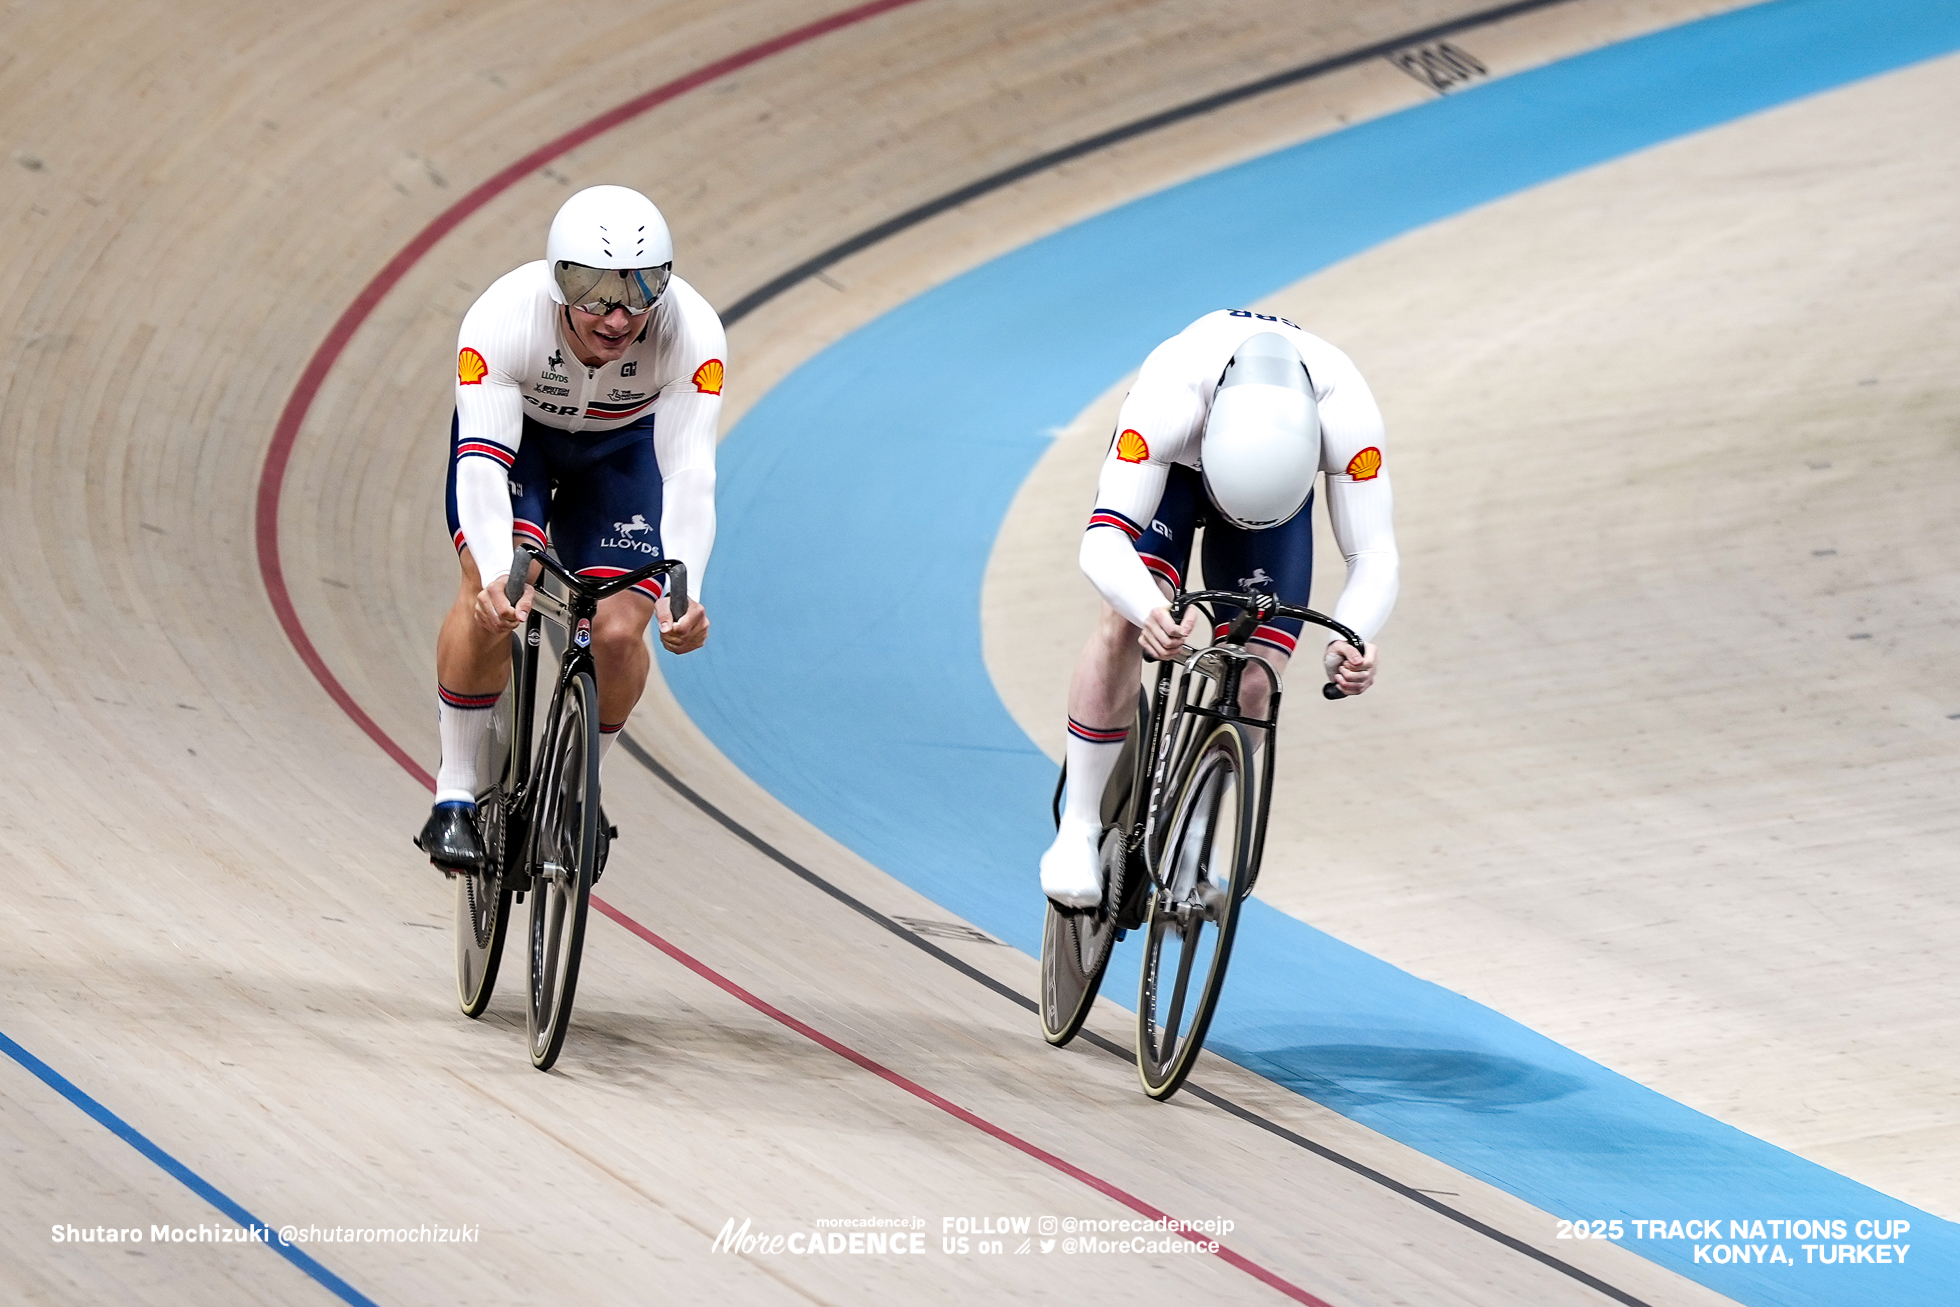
[
  {"x": 565, "y": 849},
  {"x": 483, "y": 898},
  {"x": 1194, "y": 908}
]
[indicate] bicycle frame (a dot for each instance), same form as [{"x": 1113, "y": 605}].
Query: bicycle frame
[
  {"x": 573, "y": 611},
  {"x": 1173, "y": 719}
]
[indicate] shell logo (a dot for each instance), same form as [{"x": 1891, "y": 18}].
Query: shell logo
[
  {"x": 1131, "y": 447},
  {"x": 470, "y": 368},
  {"x": 1365, "y": 465},
  {"x": 707, "y": 377}
]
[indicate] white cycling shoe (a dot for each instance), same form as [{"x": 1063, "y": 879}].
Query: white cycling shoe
[{"x": 1071, "y": 870}]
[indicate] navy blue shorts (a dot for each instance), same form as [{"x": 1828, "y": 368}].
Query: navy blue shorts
[
  {"x": 1277, "y": 561},
  {"x": 595, "y": 499}
]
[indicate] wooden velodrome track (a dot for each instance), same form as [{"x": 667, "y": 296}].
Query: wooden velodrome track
[{"x": 216, "y": 930}]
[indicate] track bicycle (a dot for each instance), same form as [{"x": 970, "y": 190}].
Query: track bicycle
[
  {"x": 1184, "y": 827},
  {"x": 539, "y": 819}
]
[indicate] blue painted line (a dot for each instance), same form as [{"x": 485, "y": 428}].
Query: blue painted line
[
  {"x": 893, "y": 455},
  {"x": 197, "y": 1184}
]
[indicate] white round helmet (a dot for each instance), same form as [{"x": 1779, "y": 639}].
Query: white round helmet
[
  {"x": 1262, "y": 437},
  {"x": 609, "y": 247}
]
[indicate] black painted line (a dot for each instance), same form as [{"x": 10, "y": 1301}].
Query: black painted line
[
  {"x": 814, "y": 266},
  {"x": 640, "y": 755}
]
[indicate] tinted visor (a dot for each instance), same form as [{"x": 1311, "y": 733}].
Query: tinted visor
[{"x": 601, "y": 290}]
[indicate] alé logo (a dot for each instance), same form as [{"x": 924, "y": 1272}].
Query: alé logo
[{"x": 625, "y": 533}]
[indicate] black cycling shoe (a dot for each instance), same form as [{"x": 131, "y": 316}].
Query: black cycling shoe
[
  {"x": 450, "y": 839},
  {"x": 607, "y": 834}
]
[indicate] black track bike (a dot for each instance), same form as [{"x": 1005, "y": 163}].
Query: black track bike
[
  {"x": 1184, "y": 826},
  {"x": 539, "y": 817}
]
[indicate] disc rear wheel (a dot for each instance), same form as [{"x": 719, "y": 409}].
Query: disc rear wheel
[
  {"x": 483, "y": 898},
  {"x": 1076, "y": 942},
  {"x": 1075, "y": 946}
]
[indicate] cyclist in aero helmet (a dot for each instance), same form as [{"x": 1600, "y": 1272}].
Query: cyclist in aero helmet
[
  {"x": 588, "y": 391},
  {"x": 1226, "y": 428}
]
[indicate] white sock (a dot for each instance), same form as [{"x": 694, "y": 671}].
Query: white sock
[
  {"x": 1092, "y": 755},
  {"x": 463, "y": 718},
  {"x": 607, "y": 734}
]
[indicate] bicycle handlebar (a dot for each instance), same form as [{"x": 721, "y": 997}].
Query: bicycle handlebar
[
  {"x": 672, "y": 568},
  {"x": 1264, "y": 606}
]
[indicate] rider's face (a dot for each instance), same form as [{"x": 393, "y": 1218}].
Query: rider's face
[{"x": 604, "y": 339}]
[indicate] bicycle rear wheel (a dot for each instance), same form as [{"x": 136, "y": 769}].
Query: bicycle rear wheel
[
  {"x": 1194, "y": 909},
  {"x": 1075, "y": 945},
  {"x": 483, "y": 898},
  {"x": 565, "y": 848},
  {"x": 1076, "y": 942}
]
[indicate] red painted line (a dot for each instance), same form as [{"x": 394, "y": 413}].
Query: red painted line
[
  {"x": 272, "y": 479},
  {"x": 947, "y": 1106}
]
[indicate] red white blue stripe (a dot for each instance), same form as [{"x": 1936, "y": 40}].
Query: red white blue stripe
[
  {"x": 486, "y": 449},
  {"x": 653, "y": 587},
  {"x": 602, "y": 411},
  {"x": 1097, "y": 734},
  {"x": 467, "y": 702},
  {"x": 1162, "y": 568},
  {"x": 1110, "y": 517},
  {"x": 1266, "y": 634}
]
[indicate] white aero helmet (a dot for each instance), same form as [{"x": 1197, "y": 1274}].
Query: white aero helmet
[
  {"x": 609, "y": 248},
  {"x": 1262, "y": 437}
]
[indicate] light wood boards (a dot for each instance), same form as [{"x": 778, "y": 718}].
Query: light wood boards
[
  {"x": 215, "y": 925},
  {"x": 1662, "y": 757}
]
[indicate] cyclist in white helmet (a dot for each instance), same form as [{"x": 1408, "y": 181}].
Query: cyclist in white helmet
[
  {"x": 1228, "y": 424},
  {"x": 588, "y": 392}
]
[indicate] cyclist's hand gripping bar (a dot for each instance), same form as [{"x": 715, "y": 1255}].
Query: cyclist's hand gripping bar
[
  {"x": 677, "y": 589},
  {"x": 520, "y": 572}
]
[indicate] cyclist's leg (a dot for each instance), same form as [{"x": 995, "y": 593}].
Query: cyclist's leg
[
  {"x": 1102, "y": 701},
  {"x": 472, "y": 664},
  {"x": 605, "y": 520},
  {"x": 1279, "y": 562}
]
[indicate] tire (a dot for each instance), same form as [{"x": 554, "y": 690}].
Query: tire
[
  {"x": 483, "y": 898},
  {"x": 1076, "y": 942},
  {"x": 1194, "y": 909},
  {"x": 564, "y": 854},
  {"x": 1075, "y": 946}
]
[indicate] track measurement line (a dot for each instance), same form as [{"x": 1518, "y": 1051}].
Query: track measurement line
[
  {"x": 286, "y": 433},
  {"x": 949, "y": 1107},
  {"x": 272, "y": 477},
  {"x": 639, "y": 754},
  {"x": 815, "y": 265}
]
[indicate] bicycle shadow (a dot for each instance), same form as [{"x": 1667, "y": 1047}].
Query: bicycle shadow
[{"x": 1351, "y": 1078}]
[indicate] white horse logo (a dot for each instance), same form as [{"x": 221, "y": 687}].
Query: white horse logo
[
  {"x": 1258, "y": 580},
  {"x": 639, "y": 523}
]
